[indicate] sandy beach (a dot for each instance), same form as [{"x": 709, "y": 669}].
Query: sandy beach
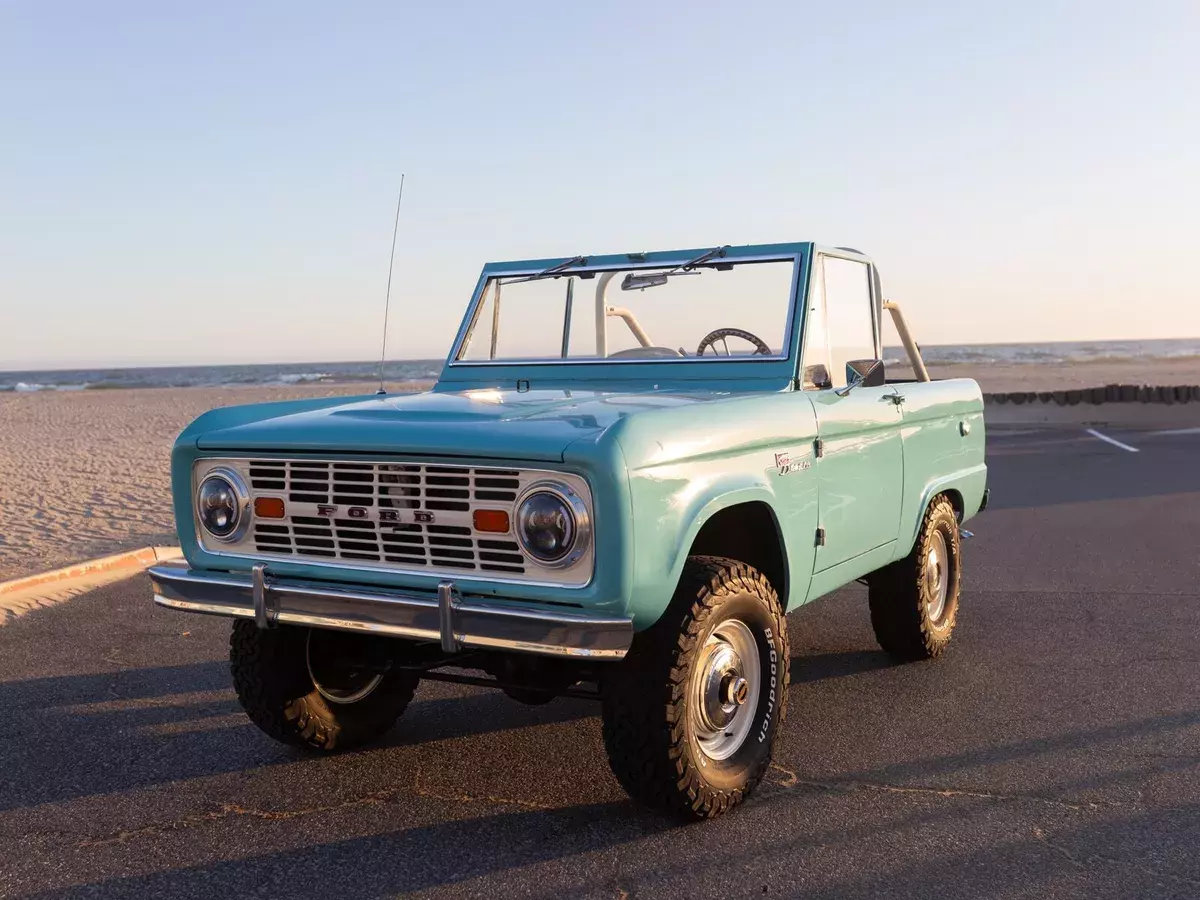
[{"x": 86, "y": 473}]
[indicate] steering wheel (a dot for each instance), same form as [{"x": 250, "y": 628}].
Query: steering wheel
[{"x": 710, "y": 340}]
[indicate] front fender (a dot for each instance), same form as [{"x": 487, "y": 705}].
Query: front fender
[
  {"x": 684, "y": 468},
  {"x": 669, "y": 511},
  {"x": 697, "y": 515}
]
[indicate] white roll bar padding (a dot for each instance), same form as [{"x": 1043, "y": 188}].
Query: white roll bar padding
[
  {"x": 495, "y": 321},
  {"x": 601, "y": 314},
  {"x": 603, "y": 311},
  {"x": 910, "y": 346},
  {"x": 638, "y": 332}
]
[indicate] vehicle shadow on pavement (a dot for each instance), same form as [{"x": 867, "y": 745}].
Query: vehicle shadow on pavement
[
  {"x": 85, "y": 735},
  {"x": 79, "y": 729},
  {"x": 533, "y": 849},
  {"x": 400, "y": 862},
  {"x": 841, "y": 664},
  {"x": 126, "y": 684}
]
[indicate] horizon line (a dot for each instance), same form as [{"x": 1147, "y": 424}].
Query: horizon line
[{"x": 440, "y": 360}]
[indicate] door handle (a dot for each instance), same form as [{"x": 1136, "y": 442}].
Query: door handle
[{"x": 897, "y": 398}]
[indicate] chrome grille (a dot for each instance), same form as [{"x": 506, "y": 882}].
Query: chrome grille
[
  {"x": 393, "y": 515},
  {"x": 386, "y": 486},
  {"x": 446, "y": 546}
]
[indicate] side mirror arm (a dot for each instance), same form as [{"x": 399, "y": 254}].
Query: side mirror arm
[{"x": 845, "y": 391}]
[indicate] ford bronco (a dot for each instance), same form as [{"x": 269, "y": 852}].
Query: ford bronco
[{"x": 610, "y": 499}]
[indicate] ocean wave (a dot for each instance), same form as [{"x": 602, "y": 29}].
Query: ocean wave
[
  {"x": 302, "y": 378},
  {"x": 29, "y": 387},
  {"x": 1129, "y": 358}
]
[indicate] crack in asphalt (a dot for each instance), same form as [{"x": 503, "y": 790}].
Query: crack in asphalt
[
  {"x": 231, "y": 810},
  {"x": 234, "y": 810},
  {"x": 1084, "y": 864},
  {"x": 473, "y": 798},
  {"x": 793, "y": 780}
]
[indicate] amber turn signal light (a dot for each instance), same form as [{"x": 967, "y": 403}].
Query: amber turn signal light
[
  {"x": 268, "y": 507},
  {"x": 493, "y": 521}
]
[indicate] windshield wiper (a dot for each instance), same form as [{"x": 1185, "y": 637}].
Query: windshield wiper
[
  {"x": 552, "y": 272},
  {"x": 634, "y": 282},
  {"x": 714, "y": 253}
]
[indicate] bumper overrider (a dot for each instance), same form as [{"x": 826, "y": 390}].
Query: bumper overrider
[{"x": 454, "y": 622}]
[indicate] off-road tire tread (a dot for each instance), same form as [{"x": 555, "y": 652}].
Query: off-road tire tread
[
  {"x": 648, "y": 687},
  {"x": 896, "y": 595},
  {"x": 271, "y": 679}
]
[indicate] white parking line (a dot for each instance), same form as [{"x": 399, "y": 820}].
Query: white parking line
[
  {"x": 1178, "y": 431},
  {"x": 1104, "y": 437}
]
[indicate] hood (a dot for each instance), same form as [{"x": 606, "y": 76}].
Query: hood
[{"x": 537, "y": 425}]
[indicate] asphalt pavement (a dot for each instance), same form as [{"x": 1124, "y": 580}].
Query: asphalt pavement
[{"x": 1053, "y": 752}]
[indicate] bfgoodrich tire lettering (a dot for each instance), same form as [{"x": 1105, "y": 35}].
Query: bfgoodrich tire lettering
[
  {"x": 913, "y": 614},
  {"x": 653, "y": 724},
  {"x": 271, "y": 674}
]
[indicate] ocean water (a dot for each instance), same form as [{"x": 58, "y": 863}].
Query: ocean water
[
  {"x": 1054, "y": 354},
  {"x": 217, "y": 376},
  {"x": 1049, "y": 354}
]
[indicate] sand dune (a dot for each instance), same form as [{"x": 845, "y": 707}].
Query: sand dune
[{"x": 86, "y": 473}]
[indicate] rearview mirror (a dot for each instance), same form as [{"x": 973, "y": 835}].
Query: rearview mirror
[
  {"x": 863, "y": 373},
  {"x": 633, "y": 282}
]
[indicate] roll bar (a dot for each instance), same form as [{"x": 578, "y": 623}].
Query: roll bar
[
  {"x": 910, "y": 346},
  {"x": 603, "y": 311}
]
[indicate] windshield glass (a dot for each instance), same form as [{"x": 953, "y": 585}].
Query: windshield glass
[{"x": 718, "y": 308}]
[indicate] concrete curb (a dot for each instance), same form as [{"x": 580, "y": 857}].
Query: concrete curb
[
  {"x": 1138, "y": 416},
  {"x": 1110, "y": 393},
  {"x": 62, "y": 579}
]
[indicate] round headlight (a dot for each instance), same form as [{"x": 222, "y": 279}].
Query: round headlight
[
  {"x": 222, "y": 505},
  {"x": 552, "y": 525}
]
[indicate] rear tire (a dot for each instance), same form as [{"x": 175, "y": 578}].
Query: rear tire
[
  {"x": 272, "y": 672},
  {"x": 914, "y": 601},
  {"x": 691, "y": 714}
]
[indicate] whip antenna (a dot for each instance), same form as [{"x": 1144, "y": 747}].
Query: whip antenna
[{"x": 387, "y": 300}]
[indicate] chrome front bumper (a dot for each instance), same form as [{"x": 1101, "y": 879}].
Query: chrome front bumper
[{"x": 455, "y": 623}]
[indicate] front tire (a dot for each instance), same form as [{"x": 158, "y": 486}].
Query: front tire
[
  {"x": 914, "y": 601},
  {"x": 691, "y": 714},
  {"x": 295, "y": 689}
]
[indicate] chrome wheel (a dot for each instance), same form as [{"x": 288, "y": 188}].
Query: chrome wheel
[
  {"x": 937, "y": 576},
  {"x": 333, "y": 679},
  {"x": 725, "y": 689}
]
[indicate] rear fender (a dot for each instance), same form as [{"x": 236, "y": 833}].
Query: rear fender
[{"x": 966, "y": 486}]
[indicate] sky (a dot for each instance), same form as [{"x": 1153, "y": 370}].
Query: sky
[{"x": 216, "y": 182}]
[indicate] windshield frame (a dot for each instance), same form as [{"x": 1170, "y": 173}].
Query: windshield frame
[{"x": 794, "y": 253}]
